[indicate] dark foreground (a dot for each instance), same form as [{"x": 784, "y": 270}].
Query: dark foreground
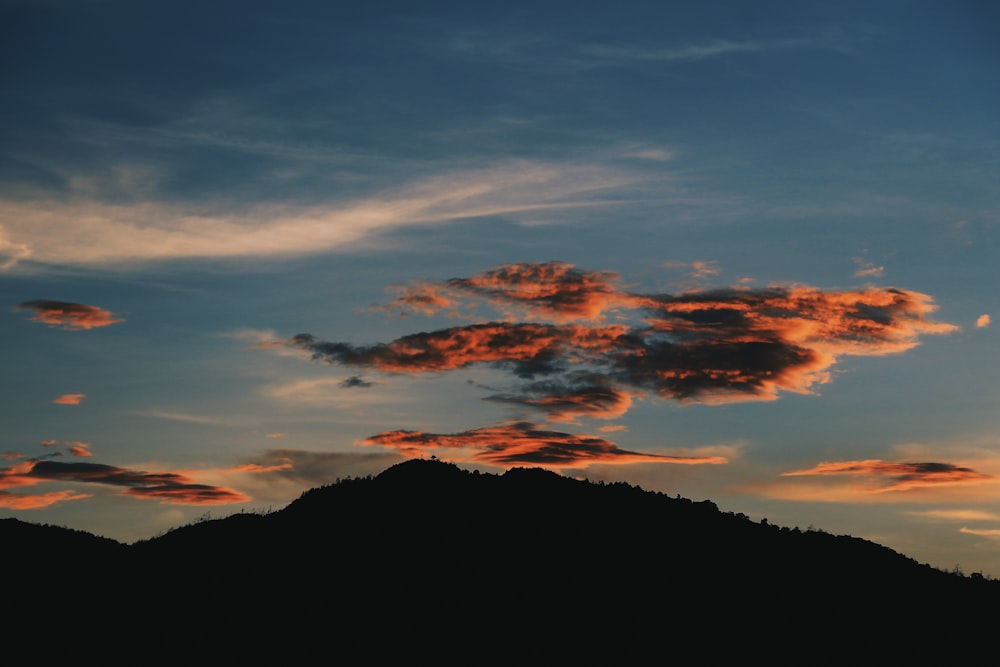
[{"x": 428, "y": 563}]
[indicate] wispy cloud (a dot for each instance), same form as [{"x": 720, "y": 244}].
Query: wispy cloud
[
  {"x": 886, "y": 476},
  {"x": 983, "y": 321},
  {"x": 192, "y": 418},
  {"x": 340, "y": 393},
  {"x": 693, "y": 52},
  {"x": 981, "y": 532},
  {"x": 958, "y": 515},
  {"x": 92, "y": 232},
  {"x": 868, "y": 269},
  {"x": 69, "y": 399},
  {"x": 69, "y": 316}
]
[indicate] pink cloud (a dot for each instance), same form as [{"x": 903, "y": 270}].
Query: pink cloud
[{"x": 69, "y": 316}]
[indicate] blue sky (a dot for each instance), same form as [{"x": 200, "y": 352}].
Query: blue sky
[{"x": 186, "y": 187}]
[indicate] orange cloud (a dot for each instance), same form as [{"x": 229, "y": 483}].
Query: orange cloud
[
  {"x": 522, "y": 443},
  {"x": 69, "y": 316},
  {"x": 256, "y": 468},
  {"x": 554, "y": 290},
  {"x": 983, "y": 321},
  {"x": 73, "y": 447},
  {"x": 69, "y": 399},
  {"x": 981, "y": 532},
  {"x": 79, "y": 449},
  {"x": 38, "y": 501},
  {"x": 703, "y": 346},
  {"x": 528, "y": 347},
  {"x": 896, "y": 476},
  {"x": 422, "y": 298},
  {"x": 169, "y": 487}
]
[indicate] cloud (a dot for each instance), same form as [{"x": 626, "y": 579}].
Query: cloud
[
  {"x": 73, "y": 447},
  {"x": 694, "y": 52},
  {"x": 88, "y": 232},
  {"x": 701, "y": 346},
  {"x": 870, "y": 271},
  {"x": 69, "y": 399},
  {"x": 312, "y": 468},
  {"x": 241, "y": 420},
  {"x": 528, "y": 348},
  {"x": 69, "y": 316},
  {"x": 981, "y": 532},
  {"x": 654, "y": 154},
  {"x": 983, "y": 321},
  {"x": 169, "y": 487},
  {"x": 585, "y": 395},
  {"x": 553, "y": 290},
  {"x": 887, "y": 476},
  {"x": 521, "y": 443},
  {"x": 959, "y": 515},
  {"x": 37, "y": 501},
  {"x": 335, "y": 392},
  {"x": 79, "y": 449}
]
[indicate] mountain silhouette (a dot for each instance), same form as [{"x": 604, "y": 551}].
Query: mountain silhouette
[{"x": 427, "y": 562}]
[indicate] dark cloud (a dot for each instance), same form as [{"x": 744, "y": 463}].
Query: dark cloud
[
  {"x": 702, "y": 346},
  {"x": 355, "y": 381},
  {"x": 528, "y": 349},
  {"x": 69, "y": 316},
  {"x": 708, "y": 346},
  {"x": 168, "y": 487},
  {"x": 564, "y": 400},
  {"x": 521, "y": 443}
]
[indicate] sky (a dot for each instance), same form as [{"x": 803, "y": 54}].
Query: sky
[{"x": 743, "y": 252}]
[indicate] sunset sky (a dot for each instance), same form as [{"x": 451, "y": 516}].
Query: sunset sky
[{"x": 744, "y": 252}]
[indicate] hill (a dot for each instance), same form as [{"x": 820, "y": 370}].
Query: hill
[{"x": 428, "y": 562}]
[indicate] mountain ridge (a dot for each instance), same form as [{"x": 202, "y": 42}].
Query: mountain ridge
[{"x": 427, "y": 560}]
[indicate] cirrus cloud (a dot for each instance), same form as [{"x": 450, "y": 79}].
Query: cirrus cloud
[
  {"x": 89, "y": 232},
  {"x": 886, "y": 476}
]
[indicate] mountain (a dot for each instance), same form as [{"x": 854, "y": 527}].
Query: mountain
[{"x": 427, "y": 562}]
